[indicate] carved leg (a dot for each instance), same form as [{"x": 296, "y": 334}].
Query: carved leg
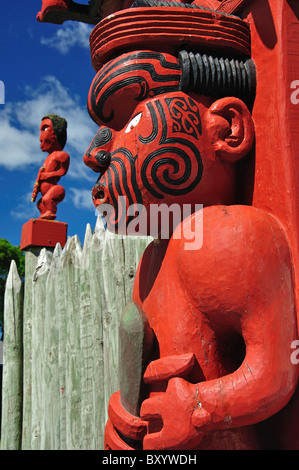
[{"x": 47, "y": 205}]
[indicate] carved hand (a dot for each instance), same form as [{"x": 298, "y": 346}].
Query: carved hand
[{"x": 175, "y": 408}]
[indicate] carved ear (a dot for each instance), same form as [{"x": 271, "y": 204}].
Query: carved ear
[{"x": 231, "y": 129}]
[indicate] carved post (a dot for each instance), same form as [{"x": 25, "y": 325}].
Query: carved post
[{"x": 11, "y": 429}]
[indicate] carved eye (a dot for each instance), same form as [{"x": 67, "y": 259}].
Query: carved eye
[
  {"x": 102, "y": 137},
  {"x": 133, "y": 123}
]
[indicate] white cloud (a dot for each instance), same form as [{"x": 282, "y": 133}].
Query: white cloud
[
  {"x": 18, "y": 147},
  {"x": 24, "y": 209},
  {"x": 82, "y": 199},
  {"x": 19, "y": 127},
  {"x": 74, "y": 34}
]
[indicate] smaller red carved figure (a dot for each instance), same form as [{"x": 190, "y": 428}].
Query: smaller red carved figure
[{"x": 52, "y": 140}]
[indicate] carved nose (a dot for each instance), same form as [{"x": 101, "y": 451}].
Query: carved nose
[
  {"x": 102, "y": 137},
  {"x": 98, "y": 155}
]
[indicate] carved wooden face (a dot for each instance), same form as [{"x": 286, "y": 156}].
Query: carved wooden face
[
  {"x": 48, "y": 139},
  {"x": 152, "y": 146}
]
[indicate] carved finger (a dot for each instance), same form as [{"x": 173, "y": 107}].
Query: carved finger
[
  {"x": 127, "y": 424},
  {"x": 169, "y": 367},
  {"x": 155, "y": 441},
  {"x": 112, "y": 439},
  {"x": 152, "y": 408}
]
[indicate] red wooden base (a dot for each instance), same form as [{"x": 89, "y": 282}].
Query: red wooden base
[{"x": 39, "y": 232}]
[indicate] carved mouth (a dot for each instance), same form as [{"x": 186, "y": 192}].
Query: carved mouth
[{"x": 98, "y": 194}]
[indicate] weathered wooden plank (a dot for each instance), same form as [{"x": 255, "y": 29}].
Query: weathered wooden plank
[
  {"x": 13, "y": 362},
  {"x": 50, "y": 425},
  {"x": 132, "y": 247},
  {"x": 71, "y": 262},
  {"x": 86, "y": 346},
  {"x": 119, "y": 263},
  {"x": 39, "y": 280},
  {"x": 31, "y": 257},
  {"x": 62, "y": 315},
  {"x": 96, "y": 297},
  {"x": 113, "y": 301}
]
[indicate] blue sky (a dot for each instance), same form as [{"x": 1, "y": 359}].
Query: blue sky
[{"x": 45, "y": 69}]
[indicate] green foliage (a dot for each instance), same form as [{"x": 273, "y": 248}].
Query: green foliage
[{"x": 9, "y": 252}]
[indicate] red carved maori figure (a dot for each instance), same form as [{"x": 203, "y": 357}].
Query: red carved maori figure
[
  {"x": 52, "y": 140},
  {"x": 186, "y": 118},
  {"x": 205, "y": 343}
]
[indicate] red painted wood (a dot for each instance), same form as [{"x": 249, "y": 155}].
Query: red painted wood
[
  {"x": 239, "y": 289},
  {"x": 47, "y": 233},
  {"x": 148, "y": 28},
  {"x": 274, "y": 50},
  {"x": 54, "y": 167},
  {"x": 50, "y": 6}
]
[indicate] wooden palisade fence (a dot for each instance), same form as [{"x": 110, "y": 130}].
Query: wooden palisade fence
[{"x": 61, "y": 341}]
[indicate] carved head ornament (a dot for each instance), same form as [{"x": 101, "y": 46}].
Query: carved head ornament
[{"x": 173, "y": 114}]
